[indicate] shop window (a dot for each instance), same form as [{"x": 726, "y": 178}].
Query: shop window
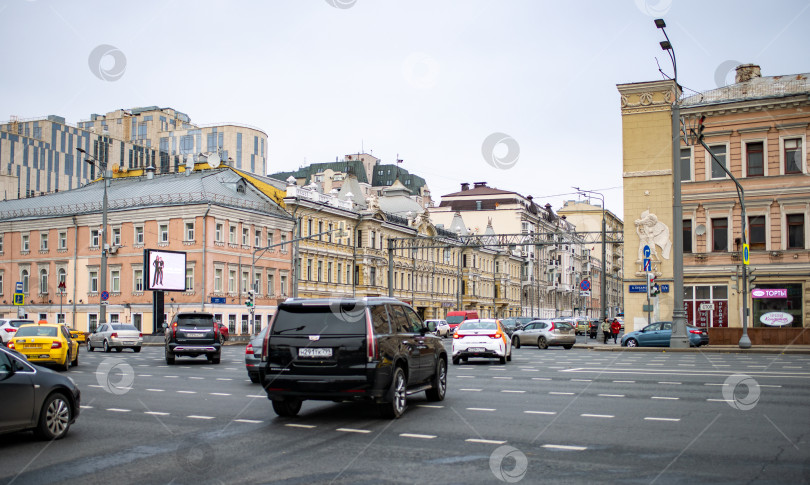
[{"x": 778, "y": 312}]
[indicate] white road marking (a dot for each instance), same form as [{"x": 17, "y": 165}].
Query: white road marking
[
  {"x": 530, "y": 370},
  {"x": 502, "y": 377},
  {"x": 481, "y": 409},
  {"x": 665, "y": 397},
  {"x": 352, "y": 430},
  {"x": 625, "y": 382},
  {"x": 610, "y": 395},
  {"x": 674, "y": 420},
  {"x": 541, "y": 378},
  {"x": 541, "y": 412},
  {"x": 155, "y": 413},
  {"x": 249, "y": 421},
  {"x": 792, "y": 367},
  {"x": 86, "y": 407},
  {"x": 187, "y": 392},
  {"x": 430, "y": 406},
  {"x": 713, "y": 384},
  {"x": 219, "y": 394},
  {"x": 556, "y": 393},
  {"x": 769, "y": 385},
  {"x": 597, "y": 415},
  {"x": 171, "y": 377},
  {"x": 155, "y": 390},
  {"x": 514, "y": 392},
  {"x": 294, "y": 425},
  {"x": 486, "y": 442},
  {"x": 195, "y": 377},
  {"x": 420, "y": 436},
  {"x": 144, "y": 375},
  {"x": 224, "y": 379},
  {"x": 95, "y": 385},
  {"x": 581, "y": 380},
  {"x": 119, "y": 410},
  {"x": 565, "y": 447},
  {"x": 465, "y": 377},
  {"x": 720, "y": 400},
  {"x": 194, "y": 416},
  {"x": 256, "y": 395},
  {"x": 669, "y": 382},
  {"x": 471, "y": 390}
]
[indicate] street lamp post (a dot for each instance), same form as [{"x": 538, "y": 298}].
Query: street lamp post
[
  {"x": 102, "y": 165},
  {"x": 603, "y": 287},
  {"x": 678, "y": 339}
]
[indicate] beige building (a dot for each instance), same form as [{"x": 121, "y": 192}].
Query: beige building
[{"x": 758, "y": 128}]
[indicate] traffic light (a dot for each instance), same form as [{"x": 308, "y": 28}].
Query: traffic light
[
  {"x": 249, "y": 301},
  {"x": 700, "y": 128},
  {"x": 751, "y": 276},
  {"x": 734, "y": 281},
  {"x": 650, "y": 284}
]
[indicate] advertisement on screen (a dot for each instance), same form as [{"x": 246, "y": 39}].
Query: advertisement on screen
[{"x": 165, "y": 270}]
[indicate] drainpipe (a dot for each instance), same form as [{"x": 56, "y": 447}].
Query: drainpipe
[
  {"x": 204, "y": 251},
  {"x": 75, "y": 261}
]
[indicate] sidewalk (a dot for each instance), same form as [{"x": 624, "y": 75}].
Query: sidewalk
[{"x": 596, "y": 344}]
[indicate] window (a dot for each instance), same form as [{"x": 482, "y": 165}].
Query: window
[
  {"x": 189, "y": 278},
  {"x": 137, "y": 280},
  {"x": 218, "y": 280},
  {"x": 309, "y": 270},
  {"x": 43, "y": 281},
  {"x": 93, "y": 281},
  {"x": 137, "y": 320},
  {"x": 94, "y": 238},
  {"x": 139, "y": 235},
  {"x": 189, "y": 231},
  {"x": 24, "y": 246},
  {"x": 271, "y": 284},
  {"x": 62, "y": 241},
  {"x": 686, "y": 164},
  {"x": 232, "y": 281},
  {"x": 245, "y": 319},
  {"x": 269, "y": 238},
  {"x": 258, "y": 239},
  {"x": 719, "y": 152},
  {"x": 115, "y": 280},
  {"x": 116, "y": 236},
  {"x": 756, "y": 232},
  {"x": 218, "y": 232},
  {"x": 687, "y": 235},
  {"x": 795, "y": 230},
  {"x": 283, "y": 285},
  {"x": 309, "y": 227},
  {"x": 716, "y": 295},
  {"x": 320, "y": 271},
  {"x": 232, "y": 235},
  {"x": 755, "y": 159},
  {"x": 793, "y": 155},
  {"x": 43, "y": 241},
  {"x": 245, "y": 236},
  {"x": 244, "y": 281},
  {"x": 1, "y": 243},
  {"x": 24, "y": 279},
  {"x": 320, "y": 230},
  {"x": 283, "y": 240},
  {"x": 232, "y": 324},
  {"x": 359, "y": 238},
  {"x": 720, "y": 234},
  {"x": 372, "y": 276},
  {"x": 92, "y": 321},
  {"x": 371, "y": 240},
  {"x": 329, "y": 272},
  {"x": 164, "y": 233},
  {"x": 339, "y": 271},
  {"x": 257, "y": 281}
]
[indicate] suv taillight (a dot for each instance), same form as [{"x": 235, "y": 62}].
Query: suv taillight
[
  {"x": 267, "y": 336},
  {"x": 174, "y": 331},
  {"x": 552, "y": 327},
  {"x": 372, "y": 350},
  {"x": 11, "y": 329},
  {"x": 249, "y": 349}
]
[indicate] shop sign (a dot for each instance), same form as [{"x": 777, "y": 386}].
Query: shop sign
[
  {"x": 776, "y": 319},
  {"x": 769, "y": 293}
]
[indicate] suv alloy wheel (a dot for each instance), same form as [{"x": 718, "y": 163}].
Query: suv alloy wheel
[{"x": 397, "y": 396}]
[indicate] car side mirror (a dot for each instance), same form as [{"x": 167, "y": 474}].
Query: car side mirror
[
  {"x": 165, "y": 325},
  {"x": 423, "y": 330}
]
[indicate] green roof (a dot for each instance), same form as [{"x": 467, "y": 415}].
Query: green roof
[
  {"x": 385, "y": 174},
  {"x": 356, "y": 166}
]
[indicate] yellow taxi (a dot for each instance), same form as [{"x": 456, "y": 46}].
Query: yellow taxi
[
  {"x": 79, "y": 336},
  {"x": 46, "y": 343}
]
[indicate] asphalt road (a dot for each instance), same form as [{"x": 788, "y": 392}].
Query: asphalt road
[{"x": 574, "y": 416}]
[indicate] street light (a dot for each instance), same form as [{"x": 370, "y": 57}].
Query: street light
[
  {"x": 603, "y": 289},
  {"x": 678, "y": 339},
  {"x": 102, "y": 308}
]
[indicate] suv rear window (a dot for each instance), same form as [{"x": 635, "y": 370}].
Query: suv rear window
[
  {"x": 336, "y": 319},
  {"x": 17, "y": 323},
  {"x": 195, "y": 321},
  {"x": 563, "y": 325}
]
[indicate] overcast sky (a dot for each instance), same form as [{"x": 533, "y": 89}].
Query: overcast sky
[{"x": 429, "y": 81}]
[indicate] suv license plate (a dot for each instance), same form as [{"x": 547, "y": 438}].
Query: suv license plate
[
  {"x": 315, "y": 352},
  {"x": 195, "y": 335}
]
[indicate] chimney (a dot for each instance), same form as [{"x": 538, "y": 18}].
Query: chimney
[
  {"x": 465, "y": 186},
  {"x": 746, "y": 72},
  {"x": 150, "y": 172},
  {"x": 479, "y": 184}
]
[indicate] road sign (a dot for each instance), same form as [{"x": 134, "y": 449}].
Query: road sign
[
  {"x": 637, "y": 288},
  {"x": 664, "y": 288},
  {"x": 745, "y": 253},
  {"x": 218, "y": 299},
  {"x": 706, "y": 306},
  {"x": 18, "y": 287},
  {"x": 647, "y": 308},
  {"x": 104, "y": 296},
  {"x": 647, "y": 252},
  {"x": 584, "y": 285},
  {"x": 584, "y": 293},
  {"x": 19, "y": 299},
  {"x": 647, "y": 264}
]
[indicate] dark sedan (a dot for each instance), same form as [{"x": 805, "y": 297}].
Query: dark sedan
[
  {"x": 35, "y": 398},
  {"x": 658, "y": 334},
  {"x": 253, "y": 355}
]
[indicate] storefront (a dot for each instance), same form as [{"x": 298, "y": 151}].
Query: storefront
[
  {"x": 706, "y": 305},
  {"x": 777, "y": 305}
]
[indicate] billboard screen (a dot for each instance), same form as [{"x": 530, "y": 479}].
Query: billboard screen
[{"x": 164, "y": 270}]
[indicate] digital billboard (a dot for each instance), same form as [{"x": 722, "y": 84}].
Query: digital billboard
[{"x": 164, "y": 270}]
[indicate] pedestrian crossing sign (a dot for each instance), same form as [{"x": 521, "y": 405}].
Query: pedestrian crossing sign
[{"x": 19, "y": 299}]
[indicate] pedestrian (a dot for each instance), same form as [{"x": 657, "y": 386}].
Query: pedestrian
[
  {"x": 605, "y": 330},
  {"x": 615, "y": 327}
]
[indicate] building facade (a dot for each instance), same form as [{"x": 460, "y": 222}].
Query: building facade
[
  {"x": 757, "y": 127},
  {"x": 217, "y": 217}
]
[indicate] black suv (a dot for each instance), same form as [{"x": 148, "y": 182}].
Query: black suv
[
  {"x": 193, "y": 334},
  {"x": 375, "y": 349}
]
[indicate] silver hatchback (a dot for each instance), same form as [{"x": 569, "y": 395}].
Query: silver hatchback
[{"x": 546, "y": 333}]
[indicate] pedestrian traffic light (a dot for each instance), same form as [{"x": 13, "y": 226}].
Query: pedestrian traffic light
[
  {"x": 249, "y": 301},
  {"x": 700, "y": 128}
]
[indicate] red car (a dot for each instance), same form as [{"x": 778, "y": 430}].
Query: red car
[{"x": 223, "y": 332}]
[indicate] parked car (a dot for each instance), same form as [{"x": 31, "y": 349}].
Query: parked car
[
  {"x": 593, "y": 327},
  {"x": 253, "y": 355},
  {"x": 118, "y": 336},
  {"x": 523, "y": 321},
  {"x": 46, "y": 343},
  {"x": 224, "y": 333},
  {"x": 439, "y": 327},
  {"x": 481, "y": 338},
  {"x": 658, "y": 334},
  {"x": 545, "y": 334},
  {"x": 192, "y": 334},
  {"x": 580, "y": 324},
  {"x": 77, "y": 335},
  {"x": 9, "y": 326},
  {"x": 455, "y": 317},
  {"x": 375, "y": 349},
  {"x": 35, "y": 398}
]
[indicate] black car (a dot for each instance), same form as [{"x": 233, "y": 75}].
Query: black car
[
  {"x": 375, "y": 349},
  {"x": 35, "y": 398},
  {"x": 193, "y": 334}
]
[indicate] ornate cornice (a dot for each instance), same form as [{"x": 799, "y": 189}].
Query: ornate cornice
[
  {"x": 647, "y": 173},
  {"x": 647, "y": 97}
]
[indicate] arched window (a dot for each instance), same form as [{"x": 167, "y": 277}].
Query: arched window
[
  {"x": 61, "y": 276},
  {"x": 24, "y": 279},
  {"x": 43, "y": 281}
]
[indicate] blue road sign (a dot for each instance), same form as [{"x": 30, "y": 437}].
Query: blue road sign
[
  {"x": 104, "y": 296},
  {"x": 218, "y": 299},
  {"x": 584, "y": 285},
  {"x": 664, "y": 288},
  {"x": 745, "y": 254},
  {"x": 638, "y": 288},
  {"x": 19, "y": 299},
  {"x": 18, "y": 288},
  {"x": 647, "y": 264},
  {"x": 647, "y": 252}
]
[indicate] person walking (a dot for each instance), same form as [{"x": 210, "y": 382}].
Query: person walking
[
  {"x": 605, "y": 330},
  {"x": 615, "y": 328}
]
